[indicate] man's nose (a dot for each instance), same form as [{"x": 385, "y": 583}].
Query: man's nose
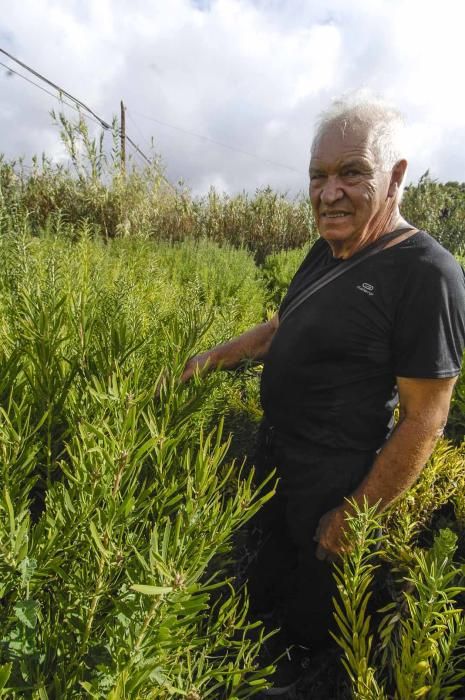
[{"x": 332, "y": 190}]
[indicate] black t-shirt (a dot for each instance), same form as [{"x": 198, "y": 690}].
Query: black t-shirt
[{"x": 330, "y": 373}]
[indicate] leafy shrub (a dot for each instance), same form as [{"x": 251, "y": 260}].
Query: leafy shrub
[
  {"x": 417, "y": 649},
  {"x": 142, "y": 205},
  {"x": 278, "y": 271},
  {"x": 118, "y": 503},
  {"x": 439, "y": 208},
  {"x": 442, "y": 481}
]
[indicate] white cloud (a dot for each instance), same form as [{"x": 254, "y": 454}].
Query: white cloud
[{"x": 250, "y": 73}]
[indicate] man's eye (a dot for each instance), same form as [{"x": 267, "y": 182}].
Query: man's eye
[{"x": 352, "y": 173}]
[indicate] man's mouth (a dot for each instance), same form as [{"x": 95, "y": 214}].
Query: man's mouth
[{"x": 335, "y": 215}]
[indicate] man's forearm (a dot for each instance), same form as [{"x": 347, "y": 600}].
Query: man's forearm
[
  {"x": 424, "y": 405},
  {"x": 394, "y": 470},
  {"x": 399, "y": 463},
  {"x": 251, "y": 345}
]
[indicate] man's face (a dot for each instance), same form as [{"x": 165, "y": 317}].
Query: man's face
[{"x": 348, "y": 189}]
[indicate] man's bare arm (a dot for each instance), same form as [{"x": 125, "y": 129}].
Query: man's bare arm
[
  {"x": 251, "y": 345},
  {"x": 424, "y": 406}
]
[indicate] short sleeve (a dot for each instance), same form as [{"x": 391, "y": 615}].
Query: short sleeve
[{"x": 429, "y": 328}]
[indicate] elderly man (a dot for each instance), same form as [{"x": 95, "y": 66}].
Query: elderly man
[{"x": 386, "y": 325}]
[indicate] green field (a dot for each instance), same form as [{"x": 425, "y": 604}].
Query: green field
[{"x": 124, "y": 495}]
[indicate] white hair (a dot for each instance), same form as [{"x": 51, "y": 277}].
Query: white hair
[{"x": 382, "y": 120}]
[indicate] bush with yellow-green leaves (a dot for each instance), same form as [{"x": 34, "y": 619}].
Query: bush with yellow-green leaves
[{"x": 118, "y": 501}]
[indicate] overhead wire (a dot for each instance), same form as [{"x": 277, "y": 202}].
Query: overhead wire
[
  {"x": 138, "y": 150},
  {"x": 77, "y": 102},
  {"x": 55, "y": 97},
  {"x": 103, "y": 123},
  {"x": 218, "y": 143},
  {"x": 94, "y": 117},
  {"x": 59, "y": 99}
]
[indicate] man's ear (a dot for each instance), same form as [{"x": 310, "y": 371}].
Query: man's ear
[{"x": 397, "y": 177}]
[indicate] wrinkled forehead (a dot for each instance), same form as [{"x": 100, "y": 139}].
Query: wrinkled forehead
[{"x": 343, "y": 138}]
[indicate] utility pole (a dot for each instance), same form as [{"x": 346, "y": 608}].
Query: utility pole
[{"x": 123, "y": 138}]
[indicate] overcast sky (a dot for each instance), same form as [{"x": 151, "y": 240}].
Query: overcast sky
[{"x": 250, "y": 74}]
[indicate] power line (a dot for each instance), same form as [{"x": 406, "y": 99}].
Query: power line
[
  {"x": 136, "y": 147},
  {"x": 62, "y": 101},
  {"x": 218, "y": 143},
  {"x": 103, "y": 123},
  {"x": 55, "y": 97},
  {"x": 77, "y": 102}
]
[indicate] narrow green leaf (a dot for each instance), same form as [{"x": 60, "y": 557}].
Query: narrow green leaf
[
  {"x": 97, "y": 540},
  {"x": 5, "y": 672},
  {"x": 151, "y": 590}
]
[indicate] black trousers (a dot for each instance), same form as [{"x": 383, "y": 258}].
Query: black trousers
[{"x": 285, "y": 577}]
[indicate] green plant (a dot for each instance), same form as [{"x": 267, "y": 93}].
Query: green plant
[
  {"x": 278, "y": 271},
  {"x": 418, "y": 648},
  {"x": 427, "y": 651},
  {"x": 118, "y": 502},
  {"x": 439, "y": 208},
  {"x": 456, "y": 420},
  {"x": 442, "y": 482},
  {"x": 354, "y": 578}
]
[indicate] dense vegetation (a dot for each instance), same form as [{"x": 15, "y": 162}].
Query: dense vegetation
[
  {"x": 143, "y": 204},
  {"x": 124, "y": 495}
]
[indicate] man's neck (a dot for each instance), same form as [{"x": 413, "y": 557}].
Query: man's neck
[{"x": 346, "y": 249}]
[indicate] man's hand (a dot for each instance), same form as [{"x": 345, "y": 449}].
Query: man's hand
[
  {"x": 330, "y": 534},
  {"x": 251, "y": 345},
  {"x": 198, "y": 364}
]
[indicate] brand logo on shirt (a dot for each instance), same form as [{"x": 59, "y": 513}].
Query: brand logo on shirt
[{"x": 367, "y": 288}]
